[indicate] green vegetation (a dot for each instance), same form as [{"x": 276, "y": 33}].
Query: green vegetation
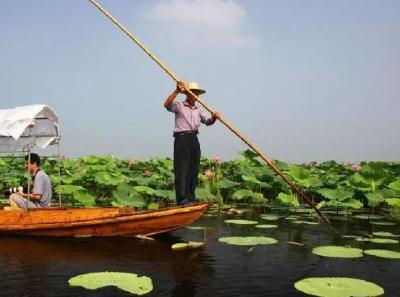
[{"x": 106, "y": 181}]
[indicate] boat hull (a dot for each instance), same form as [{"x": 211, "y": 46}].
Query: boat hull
[{"x": 98, "y": 222}]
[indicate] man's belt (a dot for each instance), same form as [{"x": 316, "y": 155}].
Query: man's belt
[{"x": 185, "y": 132}]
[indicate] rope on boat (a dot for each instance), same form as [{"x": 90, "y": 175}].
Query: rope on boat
[{"x": 263, "y": 156}]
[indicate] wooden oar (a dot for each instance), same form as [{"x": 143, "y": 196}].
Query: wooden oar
[{"x": 221, "y": 119}]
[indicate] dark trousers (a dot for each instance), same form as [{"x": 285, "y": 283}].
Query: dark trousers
[{"x": 186, "y": 166}]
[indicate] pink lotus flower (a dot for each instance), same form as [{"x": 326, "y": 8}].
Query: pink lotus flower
[
  {"x": 356, "y": 167},
  {"x": 216, "y": 159},
  {"x": 209, "y": 174}
]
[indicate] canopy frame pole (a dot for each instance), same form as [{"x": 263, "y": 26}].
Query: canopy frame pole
[
  {"x": 59, "y": 171},
  {"x": 263, "y": 156}
]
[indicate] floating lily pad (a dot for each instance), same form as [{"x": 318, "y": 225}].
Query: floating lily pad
[
  {"x": 338, "y": 287},
  {"x": 196, "y": 227},
  {"x": 128, "y": 282},
  {"x": 377, "y": 240},
  {"x": 266, "y": 226},
  {"x": 338, "y": 252},
  {"x": 305, "y": 222},
  {"x": 350, "y": 236},
  {"x": 295, "y": 243},
  {"x": 187, "y": 246},
  {"x": 384, "y": 223},
  {"x": 385, "y": 234},
  {"x": 249, "y": 240},
  {"x": 302, "y": 210},
  {"x": 292, "y": 218},
  {"x": 338, "y": 213},
  {"x": 383, "y": 254},
  {"x": 241, "y": 222},
  {"x": 269, "y": 217},
  {"x": 368, "y": 217}
]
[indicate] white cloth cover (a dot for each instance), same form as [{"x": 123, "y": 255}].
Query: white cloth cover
[{"x": 27, "y": 126}]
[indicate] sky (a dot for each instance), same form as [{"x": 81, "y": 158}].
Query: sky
[{"x": 304, "y": 80}]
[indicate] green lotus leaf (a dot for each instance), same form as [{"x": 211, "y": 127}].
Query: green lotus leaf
[
  {"x": 287, "y": 199},
  {"x": 383, "y": 254},
  {"x": 258, "y": 198},
  {"x": 123, "y": 190},
  {"x": 144, "y": 190},
  {"x": 338, "y": 287},
  {"x": 352, "y": 203},
  {"x": 84, "y": 198},
  {"x": 337, "y": 252},
  {"x": 241, "y": 222},
  {"x": 395, "y": 202},
  {"x": 338, "y": 194},
  {"x": 153, "y": 206},
  {"x": 242, "y": 194},
  {"x": 108, "y": 179},
  {"x": 204, "y": 194},
  {"x": 68, "y": 189},
  {"x": 384, "y": 223},
  {"x": 377, "y": 240},
  {"x": 374, "y": 199},
  {"x": 266, "y": 226},
  {"x": 395, "y": 186},
  {"x": 226, "y": 183},
  {"x": 249, "y": 240},
  {"x": 385, "y": 234},
  {"x": 248, "y": 154},
  {"x": 250, "y": 179},
  {"x": 303, "y": 177},
  {"x": 128, "y": 282},
  {"x": 135, "y": 201}
]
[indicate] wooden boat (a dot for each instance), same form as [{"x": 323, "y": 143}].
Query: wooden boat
[{"x": 98, "y": 221}]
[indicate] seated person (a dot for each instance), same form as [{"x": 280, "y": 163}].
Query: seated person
[{"x": 41, "y": 193}]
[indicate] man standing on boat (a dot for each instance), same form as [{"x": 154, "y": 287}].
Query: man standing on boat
[
  {"x": 41, "y": 193},
  {"x": 188, "y": 117}
]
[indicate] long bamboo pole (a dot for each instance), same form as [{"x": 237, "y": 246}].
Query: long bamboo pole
[{"x": 221, "y": 119}]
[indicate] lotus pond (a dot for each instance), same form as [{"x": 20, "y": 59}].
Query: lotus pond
[
  {"x": 260, "y": 239},
  {"x": 238, "y": 259}
]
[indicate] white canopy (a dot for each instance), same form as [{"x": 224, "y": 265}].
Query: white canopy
[{"x": 24, "y": 127}]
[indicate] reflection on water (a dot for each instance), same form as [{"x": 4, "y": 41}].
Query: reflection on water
[{"x": 42, "y": 266}]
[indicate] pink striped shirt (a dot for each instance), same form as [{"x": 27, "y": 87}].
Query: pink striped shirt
[{"x": 189, "y": 118}]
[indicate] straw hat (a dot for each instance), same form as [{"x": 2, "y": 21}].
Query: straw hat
[{"x": 194, "y": 86}]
